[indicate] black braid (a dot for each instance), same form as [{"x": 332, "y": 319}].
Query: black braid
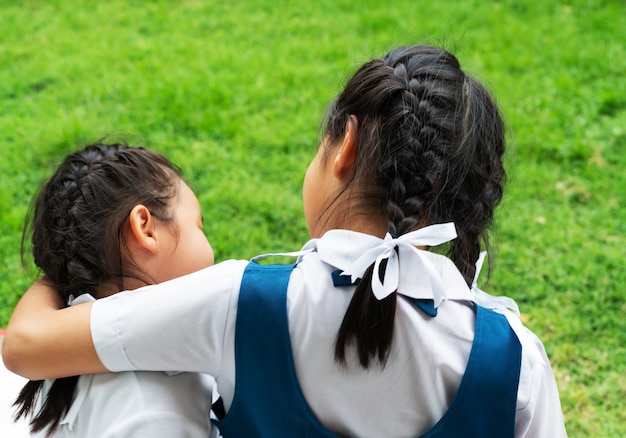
[
  {"x": 66, "y": 200},
  {"x": 77, "y": 225},
  {"x": 430, "y": 142}
]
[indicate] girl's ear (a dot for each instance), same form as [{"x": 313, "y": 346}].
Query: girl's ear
[
  {"x": 142, "y": 229},
  {"x": 345, "y": 155}
]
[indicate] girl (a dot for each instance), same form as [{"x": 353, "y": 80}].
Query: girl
[
  {"x": 110, "y": 218},
  {"x": 369, "y": 333}
]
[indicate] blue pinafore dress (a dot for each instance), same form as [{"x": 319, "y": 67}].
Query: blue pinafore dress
[{"x": 268, "y": 401}]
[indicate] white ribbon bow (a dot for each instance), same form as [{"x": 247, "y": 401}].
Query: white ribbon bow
[{"x": 406, "y": 244}]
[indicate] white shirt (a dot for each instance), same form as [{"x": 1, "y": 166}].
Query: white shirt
[
  {"x": 406, "y": 398},
  {"x": 137, "y": 404}
]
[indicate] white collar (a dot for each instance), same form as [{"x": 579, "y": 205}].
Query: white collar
[
  {"x": 342, "y": 248},
  {"x": 83, "y": 298}
]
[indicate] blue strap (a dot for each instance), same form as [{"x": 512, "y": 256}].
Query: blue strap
[
  {"x": 485, "y": 403},
  {"x": 268, "y": 401}
]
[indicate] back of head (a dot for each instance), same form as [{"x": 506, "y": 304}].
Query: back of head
[
  {"x": 80, "y": 212},
  {"x": 429, "y": 148},
  {"x": 430, "y": 142},
  {"x": 77, "y": 240}
]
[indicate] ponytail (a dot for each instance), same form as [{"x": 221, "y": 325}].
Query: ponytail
[
  {"x": 368, "y": 322},
  {"x": 56, "y": 405}
]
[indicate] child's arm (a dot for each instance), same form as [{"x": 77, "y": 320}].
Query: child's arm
[
  {"x": 42, "y": 341},
  {"x": 184, "y": 324}
]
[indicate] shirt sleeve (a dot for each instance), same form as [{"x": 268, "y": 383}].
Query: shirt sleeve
[
  {"x": 178, "y": 325},
  {"x": 539, "y": 411}
]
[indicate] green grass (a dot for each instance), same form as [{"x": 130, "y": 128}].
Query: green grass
[{"x": 234, "y": 92}]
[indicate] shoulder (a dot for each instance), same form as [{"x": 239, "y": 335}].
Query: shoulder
[
  {"x": 538, "y": 403},
  {"x": 534, "y": 355}
]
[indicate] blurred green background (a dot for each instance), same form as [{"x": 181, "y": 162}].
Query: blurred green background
[{"x": 234, "y": 92}]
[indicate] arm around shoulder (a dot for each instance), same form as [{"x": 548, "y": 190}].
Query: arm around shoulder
[{"x": 43, "y": 341}]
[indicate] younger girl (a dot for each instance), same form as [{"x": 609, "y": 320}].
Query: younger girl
[
  {"x": 369, "y": 334},
  {"x": 110, "y": 218}
]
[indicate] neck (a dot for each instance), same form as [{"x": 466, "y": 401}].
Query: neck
[{"x": 361, "y": 223}]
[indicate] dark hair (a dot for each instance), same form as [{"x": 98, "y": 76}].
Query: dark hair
[
  {"x": 430, "y": 141},
  {"x": 77, "y": 226}
]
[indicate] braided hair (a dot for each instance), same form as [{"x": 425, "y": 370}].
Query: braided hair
[
  {"x": 429, "y": 148},
  {"x": 77, "y": 240}
]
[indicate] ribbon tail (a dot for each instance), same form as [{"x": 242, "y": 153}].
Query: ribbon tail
[
  {"x": 415, "y": 265},
  {"x": 436, "y": 283},
  {"x": 389, "y": 284}
]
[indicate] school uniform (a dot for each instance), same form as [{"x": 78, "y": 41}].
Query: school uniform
[
  {"x": 434, "y": 333},
  {"x": 137, "y": 404}
]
